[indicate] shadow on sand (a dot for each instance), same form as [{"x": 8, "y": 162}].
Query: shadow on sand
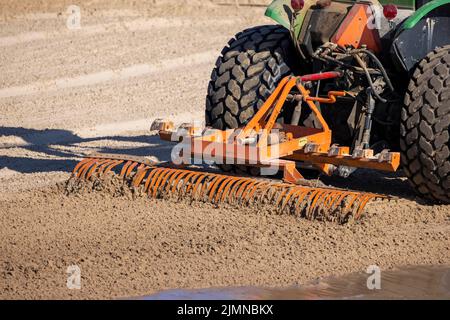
[{"x": 63, "y": 148}]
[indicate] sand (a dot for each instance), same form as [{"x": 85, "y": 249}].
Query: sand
[{"x": 67, "y": 92}]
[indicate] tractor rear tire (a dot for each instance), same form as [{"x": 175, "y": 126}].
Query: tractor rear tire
[
  {"x": 246, "y": 73},
  {"x": 425, "y": 127}
]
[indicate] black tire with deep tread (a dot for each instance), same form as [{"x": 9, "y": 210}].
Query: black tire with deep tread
[
  {"x": 425, "y": 127},
  {"x": 246, "y": 73}
]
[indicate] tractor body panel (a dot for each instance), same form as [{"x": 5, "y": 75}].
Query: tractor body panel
[
  {"x": 423, "y": 11},
  {"x": 424, "y": 31},
  {"x": 279, "y": 10}
]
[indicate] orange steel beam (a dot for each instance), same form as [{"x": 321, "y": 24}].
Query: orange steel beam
[
  {"x": 228, "y": 145},
  {"x": 348, "y": 160}
]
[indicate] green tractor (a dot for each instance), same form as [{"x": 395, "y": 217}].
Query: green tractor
[{"x": 394, "y": 60}]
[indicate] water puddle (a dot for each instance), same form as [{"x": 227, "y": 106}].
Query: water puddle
[{"x": 420, "y": 282}]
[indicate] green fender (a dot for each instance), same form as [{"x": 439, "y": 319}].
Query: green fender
[
  {"x": 276, "y": 11},
  {"x": 281, "y": 10},
  {"x": 422, "y": 12}
]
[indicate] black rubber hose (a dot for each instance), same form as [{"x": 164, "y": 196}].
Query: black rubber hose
[
  {"x": 381, "y": 67},
  {"x": 369, "y": 79}
]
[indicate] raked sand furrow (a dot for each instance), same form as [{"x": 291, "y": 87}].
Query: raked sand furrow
[
  {"x": 109, "y": 75},
  {"x": 141, "y": 24}
]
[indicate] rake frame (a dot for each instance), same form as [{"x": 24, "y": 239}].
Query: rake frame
[{"x": 298, "y": 143}]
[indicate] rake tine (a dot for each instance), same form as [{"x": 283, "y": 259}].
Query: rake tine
[
  {"x": 85, "y": 167},
  {"x": 165, "y": 181},
  {"x": 150, "y": 178},
  {"x": 181, "y": 176},
  {"x": 171, "y": 180},
  {"x": 163, "y": 174},
  {"x": 200, "y": 178},
  {"x": 102, "y": 167},
  {"x": 302, "y": 197},
  {"x": 337, "y": 200},
  {"x": 236, "y": 187},
  {"x": 314, "y": 202},
  {"x": 130, "y": 169},
  {"x": 159, "y": 181},
  {"x": 212, "y": 187},
  {"x": 112, "y": 166},
  {"x": 233, "y": 182},
  {"x": 155, "y": 182},
  {"x": 280, "y": 197},
  {"x": 362, "y": 205},
  {"x": 297, "y": 198},
  {"x": 349, "y": 205},
  {"x": 248, "y": 184},
  {"x": 124, "y": 168},
  {"x": 94, "y": 167},
  {"x": 224, "y": 185},
  {"x": 154, "y": 179},
  {"x": 311, "y": 197},
  {"x": 209, "y": 181},
  {"x": 255, "y": 188},
  {"x": 139, "y": 176},
  {"x": 80, "y": 164},
  {"x": 291, "y": 193}
]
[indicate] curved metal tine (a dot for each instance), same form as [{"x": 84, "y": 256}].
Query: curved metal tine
[
  {"x": 124, "y": 168},
  {"x": 116, "y": 163},
  {"x": 149, "y": 178},
  {"x": 251, "y": 192},
  {"x": 311, "y": 201},
  {"x": 327, "y": 199},
  {"x": 233, "y": 181},
  {"x": 212, "y": 188},
  {"x": 79, "y": 164},
  {"x": 130, "y": 169},
  {"x": 198, "y": 180},
  {"x": 309, "y": 198},
  {"x": 185, "y": 175},
  {"x": 316, "y": 201},
  {"x": 337, "y": 200},
  {"x": 295, "y": 193},
  {"x": 188, "y": 183},
  {"x": 210, "y": 179},
  {"x": 154, "y": 179},
  {"x": 244, "y": 186},
  {"x": 140, "y": 176},
  {"x": 281, "y": 195},
  {"x": 349, "y": 205},
  {"x": 95, "y": 166},
  {"x": 171, "y": 179},
  {"x": 270, "y": 190},
  {"x": 85, "y": 167},
  {"x": 165, "y": 182},
  {"x": 102, "y": 167},
  {"x": 362, "y": 206},
  {"x": 301, "y": 198},
  {"x": 250, "y": 187},
  {"x": 291, "y": 192},
  {"x": 164, "y": 174},
  {"x": 236, "y": 186}
]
